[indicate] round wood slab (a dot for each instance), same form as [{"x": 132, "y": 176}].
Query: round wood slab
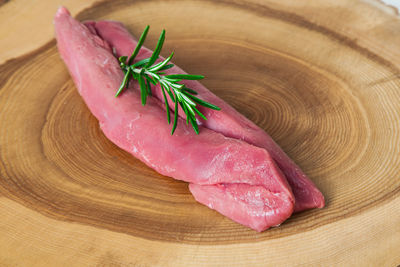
[{"x": 323, "y": 80}]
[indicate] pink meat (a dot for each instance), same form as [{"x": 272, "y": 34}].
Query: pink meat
[
  {"x": 240, "y": 180},
  {"x": 228, "y": 121}
]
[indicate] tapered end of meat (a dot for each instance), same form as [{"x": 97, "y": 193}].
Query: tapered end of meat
[
  {"x": 253, "y": 206},
  {"x": 316, "y": 200},
  {"x": 62, "y": 11},
  {"x": 320, "y": 203},
  {"x": 306, "y": 193}
]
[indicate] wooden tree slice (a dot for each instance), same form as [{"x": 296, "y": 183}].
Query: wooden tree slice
[{"x": 70, "y": 196}]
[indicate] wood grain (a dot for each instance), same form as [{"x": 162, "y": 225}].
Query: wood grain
[{"x": 326, "y": 89}]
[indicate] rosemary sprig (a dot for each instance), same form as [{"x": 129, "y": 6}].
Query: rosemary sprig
[{"x": 146, "y": 72}]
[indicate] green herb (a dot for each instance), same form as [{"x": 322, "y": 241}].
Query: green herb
[{"x": 146, "y": 72}]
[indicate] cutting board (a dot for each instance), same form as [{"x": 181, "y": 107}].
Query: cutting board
[{"x": 321, "y": 77}]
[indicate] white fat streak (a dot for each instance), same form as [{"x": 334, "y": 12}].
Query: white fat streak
[
  {"x": 169, "y": 169},
  {"x": 105, "y": 114},
  {"x": 131, "y": 125},
  {"x": 147, "y": 160},
  {"x": 261, "y": 213},
  {"x": 216, "y": 162}
]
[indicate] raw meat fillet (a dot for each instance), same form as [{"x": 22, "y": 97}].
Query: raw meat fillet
[
  {"x": 240, "y": 180},
  {"x": 228, "y": 121}
]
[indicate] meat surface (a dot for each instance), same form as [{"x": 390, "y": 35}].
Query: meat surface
[
  {"x": 235, "y": 178},
  {"x": 228, "y": 121}
]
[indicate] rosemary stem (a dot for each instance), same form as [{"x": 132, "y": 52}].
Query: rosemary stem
[{"x": 148, "y": 72}]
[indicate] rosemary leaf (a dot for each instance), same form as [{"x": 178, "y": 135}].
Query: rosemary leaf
[
  {"x": 168, "y": 66},
  {"x": 185, "y": 111},
  {"x": 124, "y": 82},
  {"x": 148, "y": 87},
  {"x": 175, "y": 117},
  {"x": 166, "y": 104},
  {"x": 143, "y": 90},
  {"x": 199, "y": 113},
  {"x": 141, "y": 63},
  {"x": 139, "y": 44},
  {"x": 202, "y": 102},
  {"x": 185, "y": 76},
  {"x": 157, "y": 51},
  {"x": 193, "y": 92},
  {"x": 162, "y": 63},
  {"x": 194, "y": 124}
]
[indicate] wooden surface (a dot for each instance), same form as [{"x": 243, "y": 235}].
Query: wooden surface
[{"x": 323, "y": 79}]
